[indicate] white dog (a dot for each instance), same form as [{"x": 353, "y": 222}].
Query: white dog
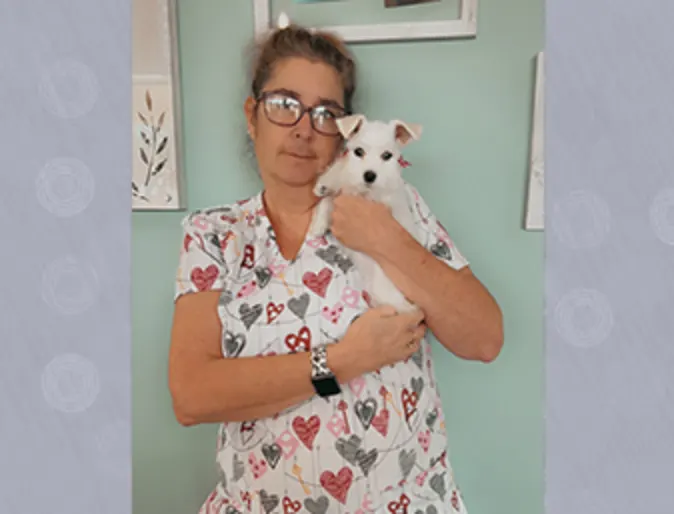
[{"x": 371, "y": 167}]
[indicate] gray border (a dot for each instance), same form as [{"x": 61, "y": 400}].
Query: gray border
[
  {"x": 609, "y": 254},
  {"x": 65, "y": 403}
]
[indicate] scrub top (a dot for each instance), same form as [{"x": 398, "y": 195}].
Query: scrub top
[{"x": 378, "y": 447}]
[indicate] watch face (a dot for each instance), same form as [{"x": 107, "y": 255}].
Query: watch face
[{"x": 327, "y": 386}]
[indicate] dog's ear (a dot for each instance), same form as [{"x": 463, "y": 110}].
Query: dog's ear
[
  {"x": 405, "y": 132},
  {"x": 349, "y": 125}
]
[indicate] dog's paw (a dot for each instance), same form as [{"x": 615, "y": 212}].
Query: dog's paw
[{"x": 321, "y": 190}]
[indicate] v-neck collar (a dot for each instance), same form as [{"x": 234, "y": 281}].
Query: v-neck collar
[{"x": 265, "y": 232}]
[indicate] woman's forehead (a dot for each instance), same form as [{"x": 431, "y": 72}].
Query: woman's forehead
[{"x": 308, "y": 81}]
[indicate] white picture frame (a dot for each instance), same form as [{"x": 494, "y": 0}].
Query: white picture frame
[
  {"x": 534, "y": 219},
  {"x": 158, "y": 175},
  {"x": 463, "y": 27}
]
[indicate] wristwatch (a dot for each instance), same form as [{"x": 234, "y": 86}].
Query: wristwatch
[{"x": 324, "y": 381}]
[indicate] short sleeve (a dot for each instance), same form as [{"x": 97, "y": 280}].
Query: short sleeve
[
  {"x": 431, "y": 233},
  {"x": 201, "y": 266}
]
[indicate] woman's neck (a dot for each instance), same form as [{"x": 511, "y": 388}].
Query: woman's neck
[
  {"x": 288, "y": 202},
  {"x": 289, "y": 212}
]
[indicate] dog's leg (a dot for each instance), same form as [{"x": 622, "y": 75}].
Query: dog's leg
[
  {"x": 400, "y": 210},
  {"x": 326, "y": 185},
  {"x": 380, "y": 287},
  {"x": 384, "y": 291},
  {"x": 320, "y": 221}
]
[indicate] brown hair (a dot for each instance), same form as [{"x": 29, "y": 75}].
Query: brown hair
[{"x": 297, "y": 41}]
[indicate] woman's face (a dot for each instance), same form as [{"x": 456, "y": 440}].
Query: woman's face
[{"x": 295, "y": 155}]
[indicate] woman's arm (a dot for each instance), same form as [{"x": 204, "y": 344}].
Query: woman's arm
[
  {"x": 208, "y": 388},
  {"x": 459, "y": 310}
]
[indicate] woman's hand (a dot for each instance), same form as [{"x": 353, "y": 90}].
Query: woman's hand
[
  {"x": 361, "y": 224},
  {"x": 381, "y": 337}
]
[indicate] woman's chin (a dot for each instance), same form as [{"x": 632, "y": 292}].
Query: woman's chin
[{"x": 300, "y": 175}]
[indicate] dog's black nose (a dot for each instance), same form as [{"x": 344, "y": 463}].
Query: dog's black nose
[{"x": 369, "y": 176}]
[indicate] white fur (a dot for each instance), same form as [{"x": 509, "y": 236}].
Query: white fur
[{"x": 347, "y": 174}]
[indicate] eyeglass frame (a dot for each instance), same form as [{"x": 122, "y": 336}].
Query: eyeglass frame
[{"x": 303, "y": 109}]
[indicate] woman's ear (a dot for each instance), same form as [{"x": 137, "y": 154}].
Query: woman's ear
[{"x": 249, "y": 111}]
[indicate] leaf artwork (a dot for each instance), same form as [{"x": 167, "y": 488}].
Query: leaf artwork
[{"x": 155, "y": 144}]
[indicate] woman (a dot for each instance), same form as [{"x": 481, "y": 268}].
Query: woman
[{"x": 325, "y": 405}]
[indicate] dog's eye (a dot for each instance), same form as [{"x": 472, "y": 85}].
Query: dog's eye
[
  {"x": 359, "y": 152},
  {"x": 386, "y": 156}
]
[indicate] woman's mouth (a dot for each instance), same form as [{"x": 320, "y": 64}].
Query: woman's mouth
[{"x": 301, "y": 155}]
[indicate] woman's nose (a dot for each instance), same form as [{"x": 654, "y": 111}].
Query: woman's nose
[{"x": 303, "y": 128}]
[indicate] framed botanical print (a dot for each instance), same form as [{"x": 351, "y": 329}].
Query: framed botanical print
[
  {"x": 375, "y": 20},
  {"x": 158, "y": 176}
]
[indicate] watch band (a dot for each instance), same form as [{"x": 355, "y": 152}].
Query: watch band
[
  {"x": 319, "y": 362},
  {"x": 324, "y": 381}
]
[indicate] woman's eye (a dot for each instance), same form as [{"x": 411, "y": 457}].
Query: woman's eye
[
  {"x": 359, "y": 152},
  {"x": 326, "y": 114},
  {"x": 386, "y": 156},
  {"x": 282, "y": 103}
]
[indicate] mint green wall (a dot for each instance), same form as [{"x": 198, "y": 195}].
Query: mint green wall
[{"x": 473, "y": 99}]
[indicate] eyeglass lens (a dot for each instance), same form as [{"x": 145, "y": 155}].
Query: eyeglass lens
[{"x": 285, "y": 110}]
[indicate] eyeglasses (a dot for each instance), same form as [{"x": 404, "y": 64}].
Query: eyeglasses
[{"x": 287, "y": 111}]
